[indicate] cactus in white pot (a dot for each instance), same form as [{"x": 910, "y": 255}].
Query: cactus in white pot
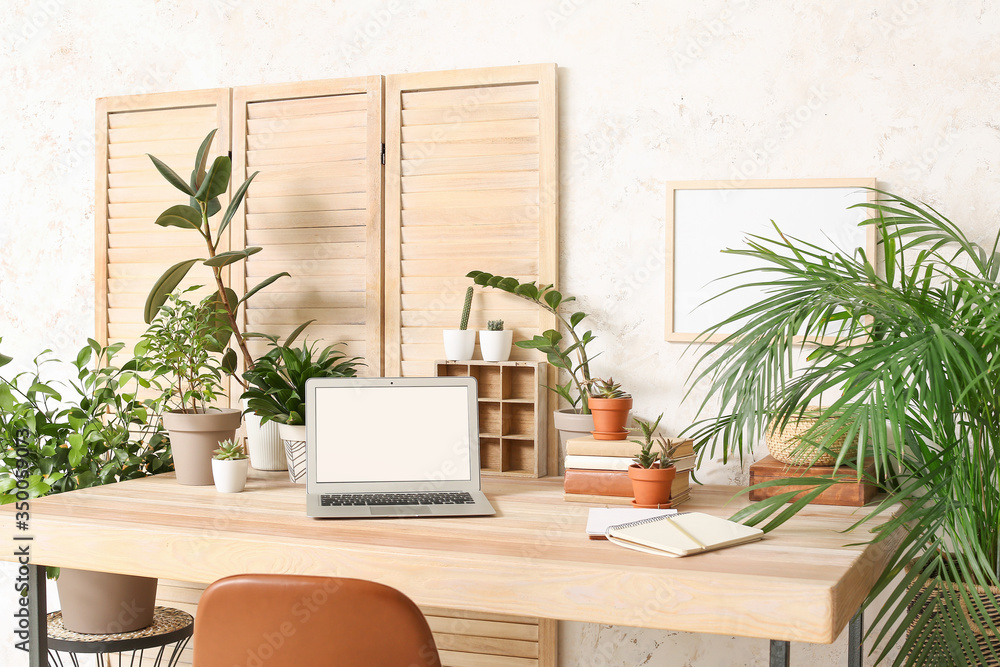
[{"x": 495, "y": 342}]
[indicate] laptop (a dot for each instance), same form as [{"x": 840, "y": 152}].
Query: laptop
[{"x": 393, "y": 447}]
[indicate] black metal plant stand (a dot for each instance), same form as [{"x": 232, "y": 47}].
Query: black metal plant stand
[{"x": 170, "y": 627}]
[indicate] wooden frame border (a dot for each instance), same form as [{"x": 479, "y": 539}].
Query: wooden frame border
[
  {"x": 373, "y": 87},
  {"x": 871, "y": 237}
]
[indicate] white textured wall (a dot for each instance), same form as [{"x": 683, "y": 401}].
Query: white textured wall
[{"x": 650, "y": 91}]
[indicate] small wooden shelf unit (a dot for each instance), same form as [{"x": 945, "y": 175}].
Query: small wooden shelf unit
[{"x": 512, "y": 409}]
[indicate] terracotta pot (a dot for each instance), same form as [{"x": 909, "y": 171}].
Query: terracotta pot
[
  {"x": 263, "y": 443},
  {"x": 459, "y": 344},
  {"x": 230, "y": 475},
  {"x": 193, "y": 438},
  {"x": 651, "y": 486},
  {"x": 294, "y": 438},
  {"x": 571, "y": 424},
  {"x": 101, "y": 603},
  {"x": 610, "y": 417},
  {"x": 495, "y": 345}
]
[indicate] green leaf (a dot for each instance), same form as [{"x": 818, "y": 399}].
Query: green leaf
[
  {"x": 553, "y": 298},
  {"x": 229, "y": 361},
  {"x": 216, "y": 180},
  {"x": 182, "y": 216},
  {"x": 295, "y": 334},
  {"x": 481, "y": 278},
  {"x": 527, "y": 290},
  {"x": 473, "y": 274},
  {"x": 42, "y": 388},
  {"x": 231, "y": 257},
  {"x": 84, "y": 356},
  {"x": 164, "y": 286},
  {"x": 4, "y": 359},
  {"x": 508, "y": 285},
  {"x": 202, "y": 159},
  {"x": 234, "y": 205},
  {"x": 576, "y": 318},
  {"x": 171, "y": 176},
  {"x": 262, "y": 284}
]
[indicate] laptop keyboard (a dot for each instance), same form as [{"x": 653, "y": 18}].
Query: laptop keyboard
[{"x": 435, "y": 498}]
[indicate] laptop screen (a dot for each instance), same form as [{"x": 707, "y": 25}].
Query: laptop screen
[{"x": 392, "y": 434}]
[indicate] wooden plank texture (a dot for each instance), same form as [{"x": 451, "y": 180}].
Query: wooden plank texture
[
  {"x": 316, "y": 209},
  {"x": 802, "y": 582}
]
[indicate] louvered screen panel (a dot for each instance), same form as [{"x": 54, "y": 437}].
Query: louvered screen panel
[
  {"x": 132, "y": 251},
  {"x": 471, "y": 183},
  {"x": 315, "y": 208}
]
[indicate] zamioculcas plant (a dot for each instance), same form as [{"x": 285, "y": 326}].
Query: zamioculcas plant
[
  {"x": 204, "y": 189},
  {"x": 573, "y": 358}
]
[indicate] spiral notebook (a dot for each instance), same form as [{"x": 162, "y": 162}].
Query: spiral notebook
[{"x": 682, "y": 534}]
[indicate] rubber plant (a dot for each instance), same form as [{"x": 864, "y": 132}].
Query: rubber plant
[
  {"x": 204, "y": 188},
  {"x": 912, "y": 354},
  {"x": 573, "y": 358}
]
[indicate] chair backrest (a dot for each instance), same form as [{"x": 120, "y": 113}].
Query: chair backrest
[{"x": 268, "y": 620}]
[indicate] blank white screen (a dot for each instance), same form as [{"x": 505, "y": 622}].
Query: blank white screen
[{"x": 392, "y": 434}]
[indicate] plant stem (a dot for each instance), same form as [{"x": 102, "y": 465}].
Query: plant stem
[{"x": 230, "y": 312}]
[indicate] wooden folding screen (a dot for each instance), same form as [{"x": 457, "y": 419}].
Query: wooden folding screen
[
  {"x": 132, "y": 252},
  {"x": 315, "y": 208},
  {"x": 471, "y": 183}
]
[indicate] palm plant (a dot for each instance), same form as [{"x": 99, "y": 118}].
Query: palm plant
[{"x": 914, "y": 358}]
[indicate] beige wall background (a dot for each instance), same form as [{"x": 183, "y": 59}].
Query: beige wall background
[{"x": 650, "y": 91}]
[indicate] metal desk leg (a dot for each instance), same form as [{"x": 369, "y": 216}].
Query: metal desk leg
[
  {"x": 779, "y": 653},
  {"x": 38, "y": 626},
  {"x": 855, "y": 634}
]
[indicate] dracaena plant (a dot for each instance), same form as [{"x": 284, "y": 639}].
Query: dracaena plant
[
  {"x": 572, "y": 358},
  {"x": 915, "y": 361},
  {"x": 277, "y": 383},
  {"x": 204, "y": 188}
]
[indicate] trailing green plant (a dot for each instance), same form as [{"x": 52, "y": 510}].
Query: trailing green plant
[
  {"x": 647, "y": 458},
  {"x": 573, "y": 359},
  {"x": 913, "y": 354},
  {"x": 277, "y": 383},
  {"x": 599, "y": 388},
  {"x": 466, "y": 310},
  {"x": 204, "y": 189},
  {"x": 494, "y": 325},
  {"x": 89, "y": 430},
  {"x": 182, "y": 344},
  {"x": 229, "y": 450}
]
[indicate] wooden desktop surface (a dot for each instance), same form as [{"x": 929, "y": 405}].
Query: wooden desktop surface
[{"x": 800, "y": 583}]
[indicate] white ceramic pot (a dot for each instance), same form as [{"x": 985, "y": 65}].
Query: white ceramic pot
[
  {"x": 459, "y": 344},
  {"x": 230, "y": 475},
  {"x": 294, "y": 438},
  {"x": 263, "y": 443},
  {"x": 495, "y": 345}
]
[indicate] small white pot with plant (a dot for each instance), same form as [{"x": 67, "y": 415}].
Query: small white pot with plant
[
  {"x": 460, "y": 343},
  {"x": 229, "y": 467},
  {"x": 495, "y": 343}
]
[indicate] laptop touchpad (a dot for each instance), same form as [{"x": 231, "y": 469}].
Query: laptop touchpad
[{"x": 399, "y": 509}]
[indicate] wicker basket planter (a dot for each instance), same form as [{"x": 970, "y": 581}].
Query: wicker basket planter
[{"x": 787, "y": 446}]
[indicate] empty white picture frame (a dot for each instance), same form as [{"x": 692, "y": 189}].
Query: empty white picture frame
[{"x": 706, "y": 217}]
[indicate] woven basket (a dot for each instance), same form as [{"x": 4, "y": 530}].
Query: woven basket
[
  {"x": 984, "y": 638},
  {"x": 786, "y": 446}
]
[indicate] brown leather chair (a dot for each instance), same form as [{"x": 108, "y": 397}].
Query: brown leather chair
[{"x": 267, "y": 620}]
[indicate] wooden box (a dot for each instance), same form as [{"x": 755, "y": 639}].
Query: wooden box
[
  {"x": 512, "y": 414},
  {"x": 850, "y": 494}
]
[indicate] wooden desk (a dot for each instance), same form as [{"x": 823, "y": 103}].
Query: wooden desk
[{"x": 801, "y": 583}]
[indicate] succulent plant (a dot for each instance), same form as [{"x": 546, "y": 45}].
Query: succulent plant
[
  {"x": 466, "y": 310},
  {"x": 494, "y": 325},
  {"x": 647, "y": 458},
  {"x": 229, "y": 450},
  {"x": 599, "y": 388}
]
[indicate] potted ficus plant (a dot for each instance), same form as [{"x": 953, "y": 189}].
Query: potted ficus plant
[
  {"x": 609, "y": 405},
  {"x": 88, "y": 431},
  {"x": 181, "y": 345},
  {"x": 572, "y": 358},
  {"x": 460, "y": 343},
  {"x": 910, "y": 344},
  {"x": 495, "y": 343},
  {"x": 277, "y": 390},
  {"x": 203, "y": 189},
  {"x": 229, "y": 467},
  {"x": 652, "y": 472}
]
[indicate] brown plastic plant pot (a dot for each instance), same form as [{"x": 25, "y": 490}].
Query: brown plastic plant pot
[
  {"x": 193, "y": 438},
  {"x": 651, "y": 486},
  {"x": 610, "y": 417},
  {"x": 102, "y": 603}
]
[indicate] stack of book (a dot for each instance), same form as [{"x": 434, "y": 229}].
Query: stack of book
[{"x": 597, "y": 470}]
